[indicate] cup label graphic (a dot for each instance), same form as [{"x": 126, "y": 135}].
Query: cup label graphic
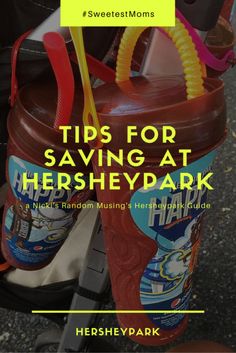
[
  {"x": 173, "y": 219},
  {"x": 38, "y": 221}
]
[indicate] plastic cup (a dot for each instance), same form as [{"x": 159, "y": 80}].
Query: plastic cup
[
  {"x": 151, "y": 252},
  {"x": 35, "y": 223}
]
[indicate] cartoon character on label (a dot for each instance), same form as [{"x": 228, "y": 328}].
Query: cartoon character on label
[
  {"x": 34, "y": 225},
  {"x": 168, "y": 278},
  {"x": 22, "y": 223}
]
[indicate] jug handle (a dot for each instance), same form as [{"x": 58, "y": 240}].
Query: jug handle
[
  {"x": 14, "y": 57},
  {"x": 96, "y": 67}
]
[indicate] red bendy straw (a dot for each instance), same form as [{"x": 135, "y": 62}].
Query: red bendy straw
[{"x": 55, "y": 46}]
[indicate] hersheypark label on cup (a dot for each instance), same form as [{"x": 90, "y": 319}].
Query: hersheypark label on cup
[
  {"x": 173, "y": 219},
  {"x": 117, "y": 13}
]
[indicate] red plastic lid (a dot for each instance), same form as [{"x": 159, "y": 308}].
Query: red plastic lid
[{"x": 200, "y": 123}]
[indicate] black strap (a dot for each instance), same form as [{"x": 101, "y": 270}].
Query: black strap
[{"x": 97, "y": 297}]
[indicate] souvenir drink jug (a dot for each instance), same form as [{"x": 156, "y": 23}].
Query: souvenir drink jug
[{"x": 152, "y": 244}]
